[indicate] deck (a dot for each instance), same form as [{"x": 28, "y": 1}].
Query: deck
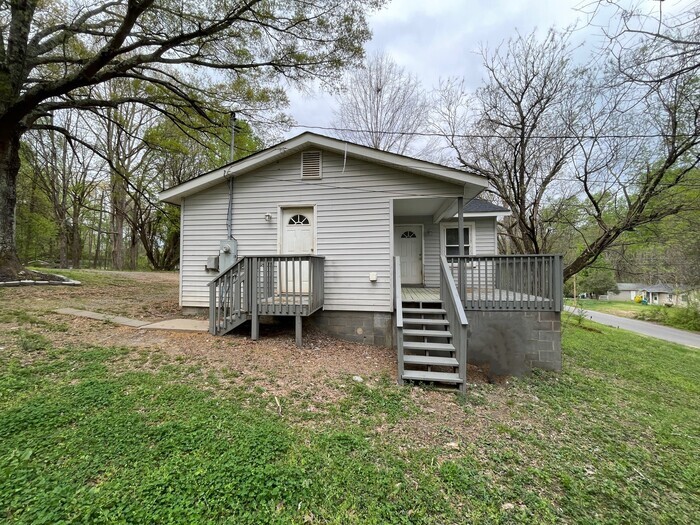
[{"x": 416, "y": 294}]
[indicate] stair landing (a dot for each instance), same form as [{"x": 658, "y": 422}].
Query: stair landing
[{"x": 420, "y": 294}]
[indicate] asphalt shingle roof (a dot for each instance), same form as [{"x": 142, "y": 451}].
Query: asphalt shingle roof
[{"x": 482, "y": 206}]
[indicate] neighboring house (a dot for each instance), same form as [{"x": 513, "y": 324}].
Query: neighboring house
[
  {"x": 659, "y": 294},
  {"x": 367, "y": 244},
  {"x": 626, "y": 292}
]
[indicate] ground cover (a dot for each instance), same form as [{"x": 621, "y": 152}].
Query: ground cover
[{"x": 107, "y": 424}]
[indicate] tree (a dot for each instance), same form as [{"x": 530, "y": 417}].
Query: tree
[
  {"x": 53, "y": 54},
  {"x": 548, "y": 134},
  {"x": 596, "y": 282},
  {"x": 381, "y": 106}
]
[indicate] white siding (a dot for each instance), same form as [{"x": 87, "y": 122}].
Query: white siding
[{"x": 353, "y": 224}]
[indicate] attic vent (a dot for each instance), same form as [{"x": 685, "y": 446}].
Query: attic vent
[{"x": 311, "y": 165}]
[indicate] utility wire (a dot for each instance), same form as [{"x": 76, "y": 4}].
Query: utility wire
[{"x": 497, "y": 136}]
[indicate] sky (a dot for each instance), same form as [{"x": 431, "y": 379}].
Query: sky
[{"x": 436, "y": 39}]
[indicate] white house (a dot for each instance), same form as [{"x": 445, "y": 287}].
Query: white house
[{"x": 318, "y": 227}]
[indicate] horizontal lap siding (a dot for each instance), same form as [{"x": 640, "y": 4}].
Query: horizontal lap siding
[
  {"x": 353, "y": 225},
  {"x": 485, "y": 236}
]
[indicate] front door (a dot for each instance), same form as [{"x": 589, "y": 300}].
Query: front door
[
  {"x": 408, "y": 245},
  {"x": 297, "y": 239}
]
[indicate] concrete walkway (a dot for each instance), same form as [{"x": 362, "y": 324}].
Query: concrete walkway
[
  {"x": 179, "y": 325},
  {"x": 665, "y": 333}
]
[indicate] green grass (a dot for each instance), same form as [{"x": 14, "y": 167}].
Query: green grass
[
  {"x": 86, "y": 436},
  {"x": 676, "y": 316}
]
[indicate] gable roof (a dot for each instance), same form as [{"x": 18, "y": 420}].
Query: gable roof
[{"x": 308, "y": 140}]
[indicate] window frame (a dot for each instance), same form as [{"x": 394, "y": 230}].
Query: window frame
[{"x": 468, "y": 248}]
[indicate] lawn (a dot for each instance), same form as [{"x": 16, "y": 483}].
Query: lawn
[
  {"x": 676, "y": 316},
  {"x": 106, "y": 424}
]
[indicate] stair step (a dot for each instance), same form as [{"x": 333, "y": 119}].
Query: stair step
[
  {"x": 438, "y": 377},
  {"x": 429, "y": 360},
  {"x": 426, "y": 311},
  {"x": 411, "y": 320},
  {"x": 442, "y": 347},
  {"x": 427, "y": 333}
]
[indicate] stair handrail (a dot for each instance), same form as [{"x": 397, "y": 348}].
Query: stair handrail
[
  {"x": 219, "y": 312},
  {"x": 457, "y": 317},
  {"x": 399, "y": 318}
]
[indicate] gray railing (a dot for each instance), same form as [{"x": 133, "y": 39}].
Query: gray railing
[
  {"x": 228, "y": 298},
  {"x": 456, "y": 316},
  {"x": 265, "y": 285},
  {"x": 398, "y": 300},
  {"x": 509, "y": 282}
]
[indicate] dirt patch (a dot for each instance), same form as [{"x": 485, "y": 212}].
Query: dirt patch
[{"x": 315, "y": 377}]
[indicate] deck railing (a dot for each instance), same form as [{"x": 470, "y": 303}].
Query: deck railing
[
  {"x": 456, "y": 317},
  {"x": 509, "y": 282},
  {"x": 265, "y": 285}
]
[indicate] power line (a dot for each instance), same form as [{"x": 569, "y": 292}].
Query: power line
[{"x": 497, "y": 136}]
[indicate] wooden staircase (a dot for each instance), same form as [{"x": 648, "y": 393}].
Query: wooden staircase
[
  {"x": 428, "y": 352},
  {"x": 431, "y": 335}
]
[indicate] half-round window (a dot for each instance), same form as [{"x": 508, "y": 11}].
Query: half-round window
[
  {"x": 408, "y": 235},
  {"x": 299, "y": 220}
]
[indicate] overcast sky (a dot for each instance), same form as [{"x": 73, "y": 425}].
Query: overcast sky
[{"x": 436, "y": 39}]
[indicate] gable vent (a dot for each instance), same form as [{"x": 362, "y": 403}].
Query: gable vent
[{"x": 311, "y": 165}]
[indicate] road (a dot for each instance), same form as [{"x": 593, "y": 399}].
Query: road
[{"x": 673, "y": 335}]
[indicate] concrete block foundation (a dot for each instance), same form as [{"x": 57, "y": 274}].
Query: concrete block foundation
[
  {"x": 374, "y": 328},
  {"x": 513, "y": 343}
]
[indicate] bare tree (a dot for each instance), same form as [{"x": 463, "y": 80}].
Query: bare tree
[
  {"x": 516, "y": 131},
  {"x": 382, "y": 106},
  {"x": 53, "y": 54},
  {"x": 549, "y": 135}
]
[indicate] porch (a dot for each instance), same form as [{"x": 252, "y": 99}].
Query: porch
[
  {"x": 276, "y": 285},
  {"x": 510, "y": 300},
  {"x": 500, "y": 282}
]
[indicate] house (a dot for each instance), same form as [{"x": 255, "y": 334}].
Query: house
[
  {"x": 369, "y": 246},
  {"x": 626, "y": 292},
  {"x": 657, "y": 294}
]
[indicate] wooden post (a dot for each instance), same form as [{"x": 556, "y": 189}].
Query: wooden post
[
  {"x": 297, "y": 329},
  {"x": 460, "y": 236},
  {"x": 254, "y": 286}
]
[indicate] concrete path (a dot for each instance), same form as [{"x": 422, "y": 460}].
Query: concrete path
[
  {"x": 182, "y": 325},
  {"x": 103, "y": 317},
  {"x": 666, "y": 333}
]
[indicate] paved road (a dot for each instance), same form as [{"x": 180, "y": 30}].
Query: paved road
[{"x": 674, "y": 335}]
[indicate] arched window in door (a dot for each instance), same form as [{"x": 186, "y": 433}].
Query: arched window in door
[{"x": 299, "y": 220}]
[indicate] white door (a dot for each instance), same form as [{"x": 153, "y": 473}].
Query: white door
[
  {"x": 408, "y": 245},
  {"x": 297, "y": 239}
]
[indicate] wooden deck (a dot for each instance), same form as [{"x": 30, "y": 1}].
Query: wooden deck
[{"x": 420, "y": 294}]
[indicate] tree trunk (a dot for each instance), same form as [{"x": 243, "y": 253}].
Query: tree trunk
[
  {"x": 9, "y": 169},
  {"x": 76, "y": 241},
  {"x": 118, "y": 213},
  {"x": 96, "y": 262}
]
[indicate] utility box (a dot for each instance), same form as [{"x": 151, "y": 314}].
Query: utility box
[
  {"x": 212, "y": 263},
  {"x": 228, "y": 253}
]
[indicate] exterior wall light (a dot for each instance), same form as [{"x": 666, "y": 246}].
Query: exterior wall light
[{"x": 268, "y": 217}]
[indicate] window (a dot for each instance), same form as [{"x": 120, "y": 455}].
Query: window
[
  {"x": 408, "y": 235},
  {"x": 299, "y": 220},
  {"x": 452, "y": 240}
]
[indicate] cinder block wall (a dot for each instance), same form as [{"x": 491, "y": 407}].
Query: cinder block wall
[
  {"x": 513, "y": 343},
  {"x": 374, "y": 328}
]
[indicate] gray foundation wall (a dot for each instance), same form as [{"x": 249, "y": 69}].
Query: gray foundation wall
[
  {"x": 513, "y": 343},
  {"x": 374, "y": 328}
]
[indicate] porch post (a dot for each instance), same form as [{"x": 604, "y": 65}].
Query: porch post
[{"x": 460, "y": 236}]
